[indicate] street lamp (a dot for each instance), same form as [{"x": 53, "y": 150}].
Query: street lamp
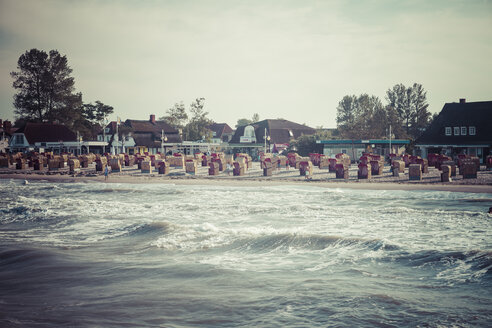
[
  {"x": 163, "y": 139},
  {"x": 266, "y": 138}
]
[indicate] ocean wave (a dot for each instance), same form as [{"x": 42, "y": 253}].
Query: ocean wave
[
  {"x": 451, "y": 266},
  {"x": 21, "y": 257},
  {"x": 260, "y": 240}
]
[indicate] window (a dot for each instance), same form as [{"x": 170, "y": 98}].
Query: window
[
  {"x": 472, "y": 130},
  {"x": 291, "y": 134},
  {"x": 463, "y": 130},
  {"x": 19, "y": 139},
  {"x": 99, "y": 138},
  {"x": 456, "y": 131},
  {"x": 448, "y": 131},
  {"x": 106, "y": 130}
]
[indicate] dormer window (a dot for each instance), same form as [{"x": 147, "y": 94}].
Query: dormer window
[
  {"x": 472, "y": 130},
  {"x": 19, "y": 139},
  {"x": 448, "y": 131},
  {"x": 463, "y": 130},
  {"x": 456, "y": 131}
]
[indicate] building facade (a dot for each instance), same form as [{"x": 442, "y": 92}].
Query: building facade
[
  {"x": 355, "y": 148},
  {"x": 460, "y": 128}
]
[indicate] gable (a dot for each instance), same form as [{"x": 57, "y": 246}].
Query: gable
[{"x": 460, "y": 117}]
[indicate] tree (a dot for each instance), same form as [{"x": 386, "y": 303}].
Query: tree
[
  {"x": 95, "y": 116},
  {"x": 306, "y": 144},
  {"x": 255, "y": 118},
  {"x": 411, "y": 107},
  {"x": 176, "y": 116},
  {"x": 243, "y": 122},
  {"x": 45, "y": 88},
  {"x": 356, "y": 117},
  {"x": 346, "y": 115},
  {"x": 196, "y": 129}
]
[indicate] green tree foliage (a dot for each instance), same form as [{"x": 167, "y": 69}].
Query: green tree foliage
[
  {"x": 176, "y": 116},
  {"x": 243, "y": 122},
  {"x": 365, "y": 116},
  {"x": 411, "y": 107},
  {"x": 95, "y": 116},
  {"x": 361, "y": 117},
  {"x": 196, "y": 129},
  {"x": 45, "y": 89},
  {"x": 305, "y": 144}
]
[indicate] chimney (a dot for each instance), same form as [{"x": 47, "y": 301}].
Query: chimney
[
  {"x": 462, "y": 100},
  {"x": 152, "y": 118},
  {"x": 7, "y": 126}
]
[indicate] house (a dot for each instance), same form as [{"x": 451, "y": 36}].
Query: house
[
  {"x": 43, "y": 137},
  {"x": 355, "y": 148},
  {"x": 6, "y": 131},
  {"x": 221, "y": 132},
  {"x": 460, "y": 128},
  {"x": 139, "y": 136},
  {"x": 268, "y": 135}
]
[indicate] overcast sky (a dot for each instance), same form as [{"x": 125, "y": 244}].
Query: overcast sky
[{"x": 281, "y": 59}]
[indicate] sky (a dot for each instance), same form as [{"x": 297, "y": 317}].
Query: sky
[{"x": 281, "y": 59}]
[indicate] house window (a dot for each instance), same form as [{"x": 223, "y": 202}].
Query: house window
[
  {"x": 99, "y": 138},
  {"x": 463, "y": 130},
  {"x": 106, "y": 130},
  {"x": 448, "y": 131},
  {"x": 472, "y": 130},
  {"x": 456, "y": 131},
  {"x": 19, "y": 139},
  {"x": 291, "y": 134}
]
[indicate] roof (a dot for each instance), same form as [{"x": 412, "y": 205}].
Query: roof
[
  {"x": 148, "y": 126},
  {"x": 466, "y": 114},
  {"x": 279, "y": 131},
  {"x": 220, "y": 129},
  {"x": 148, "y": 134},
  {"x": 46, "y": 132}
]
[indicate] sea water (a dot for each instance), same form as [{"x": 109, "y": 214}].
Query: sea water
[{"x": 163, "y": 255}]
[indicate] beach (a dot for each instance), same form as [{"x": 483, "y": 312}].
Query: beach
[{"x": 254, "y": 177}]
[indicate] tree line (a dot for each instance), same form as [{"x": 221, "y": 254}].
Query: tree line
[
  {"x": 46, "y": 93},
  {"x": 365, "y": 116}
]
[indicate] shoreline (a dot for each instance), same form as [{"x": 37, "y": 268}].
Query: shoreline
[{"x": 259, "y": 181}]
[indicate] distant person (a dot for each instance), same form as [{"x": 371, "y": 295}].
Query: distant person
[
  {"x": 106, "y": 173},
  {"x": 228, "y": 169}
]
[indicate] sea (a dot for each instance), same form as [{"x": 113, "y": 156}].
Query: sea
[{"x": 161, "y": 255}]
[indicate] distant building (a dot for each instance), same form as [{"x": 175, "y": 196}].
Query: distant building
[
  {"x": 139, "y": 136},
  {"x": 460, "y": 128},
  {"x": 275, "y": 134},
  {"x": 43, "y": 137},
  {"x": 221, "y": 132},
  {"x": 6, "y": 131}
]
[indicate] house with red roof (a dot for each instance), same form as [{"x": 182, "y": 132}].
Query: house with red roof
[
  {"x": 50, "y": 137},
  {"x": 221, "y": 132}
]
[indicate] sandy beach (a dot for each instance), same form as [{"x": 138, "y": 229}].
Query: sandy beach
[{"x": 254, "y": 177}]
